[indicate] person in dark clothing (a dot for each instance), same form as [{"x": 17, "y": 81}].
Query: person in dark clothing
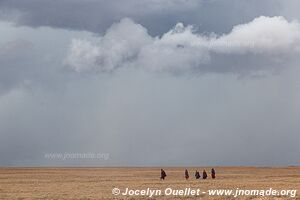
[
  {"x": 213, "y": 173},
  {"x": 186, "y": 174},
  {"x": 162, "y": 174},
  {"x": 197, "y": 175},
  {"x": 204, "y": 175}
]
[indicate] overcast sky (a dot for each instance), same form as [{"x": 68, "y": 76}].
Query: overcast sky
[{"x": 150, "y": 83}]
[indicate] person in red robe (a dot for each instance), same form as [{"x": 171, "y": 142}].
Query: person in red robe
[
  {"x": 213, "y": 173},
  {"x": 204, "y": 175},
  {"x": 186, "y": 174},
  {"x": 197, "y": 175},
  {"x": 162, "y": 174}
]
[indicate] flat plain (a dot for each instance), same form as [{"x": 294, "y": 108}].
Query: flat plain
[{"x": 97, "y": 183}]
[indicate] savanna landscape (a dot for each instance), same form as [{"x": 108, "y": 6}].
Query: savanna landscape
[{"x": 97, "y": 183}]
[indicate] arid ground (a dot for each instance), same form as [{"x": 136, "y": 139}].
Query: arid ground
[{"x": 97, "y": 183}]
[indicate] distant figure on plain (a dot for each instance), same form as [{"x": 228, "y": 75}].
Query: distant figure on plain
[
  {"x": 204, "y": 175},
  {"x": 213, "y": 173},
  {"x": 197, "y": 175},
  {"x": 162, "y": 174},
  {"x": 186, "y": 174}
]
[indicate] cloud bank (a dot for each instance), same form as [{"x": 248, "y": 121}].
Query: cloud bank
[
  {"x": 272, "y": 40},
  {"x": 157, "y": 16}
]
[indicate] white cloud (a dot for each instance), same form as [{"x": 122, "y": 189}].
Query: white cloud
[
  {"x": 269, "y": 35},
  {"x": 121, "y": 44},
  {"x": 182, "y": 49}
]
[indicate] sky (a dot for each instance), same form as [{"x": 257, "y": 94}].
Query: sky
[{"x": 149, "y": 83}]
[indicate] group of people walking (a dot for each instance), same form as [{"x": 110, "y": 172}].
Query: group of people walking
[{"x": 163, "y": 174}]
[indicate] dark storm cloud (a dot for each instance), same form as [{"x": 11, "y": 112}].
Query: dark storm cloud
[
  {"x": 31, "y": 57},
  {"x": 15, "y": 61},
  {"x": 53, "y": 98},
  {"x": 23, "y": 65},
  {"x": 157, "y": 16}
]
